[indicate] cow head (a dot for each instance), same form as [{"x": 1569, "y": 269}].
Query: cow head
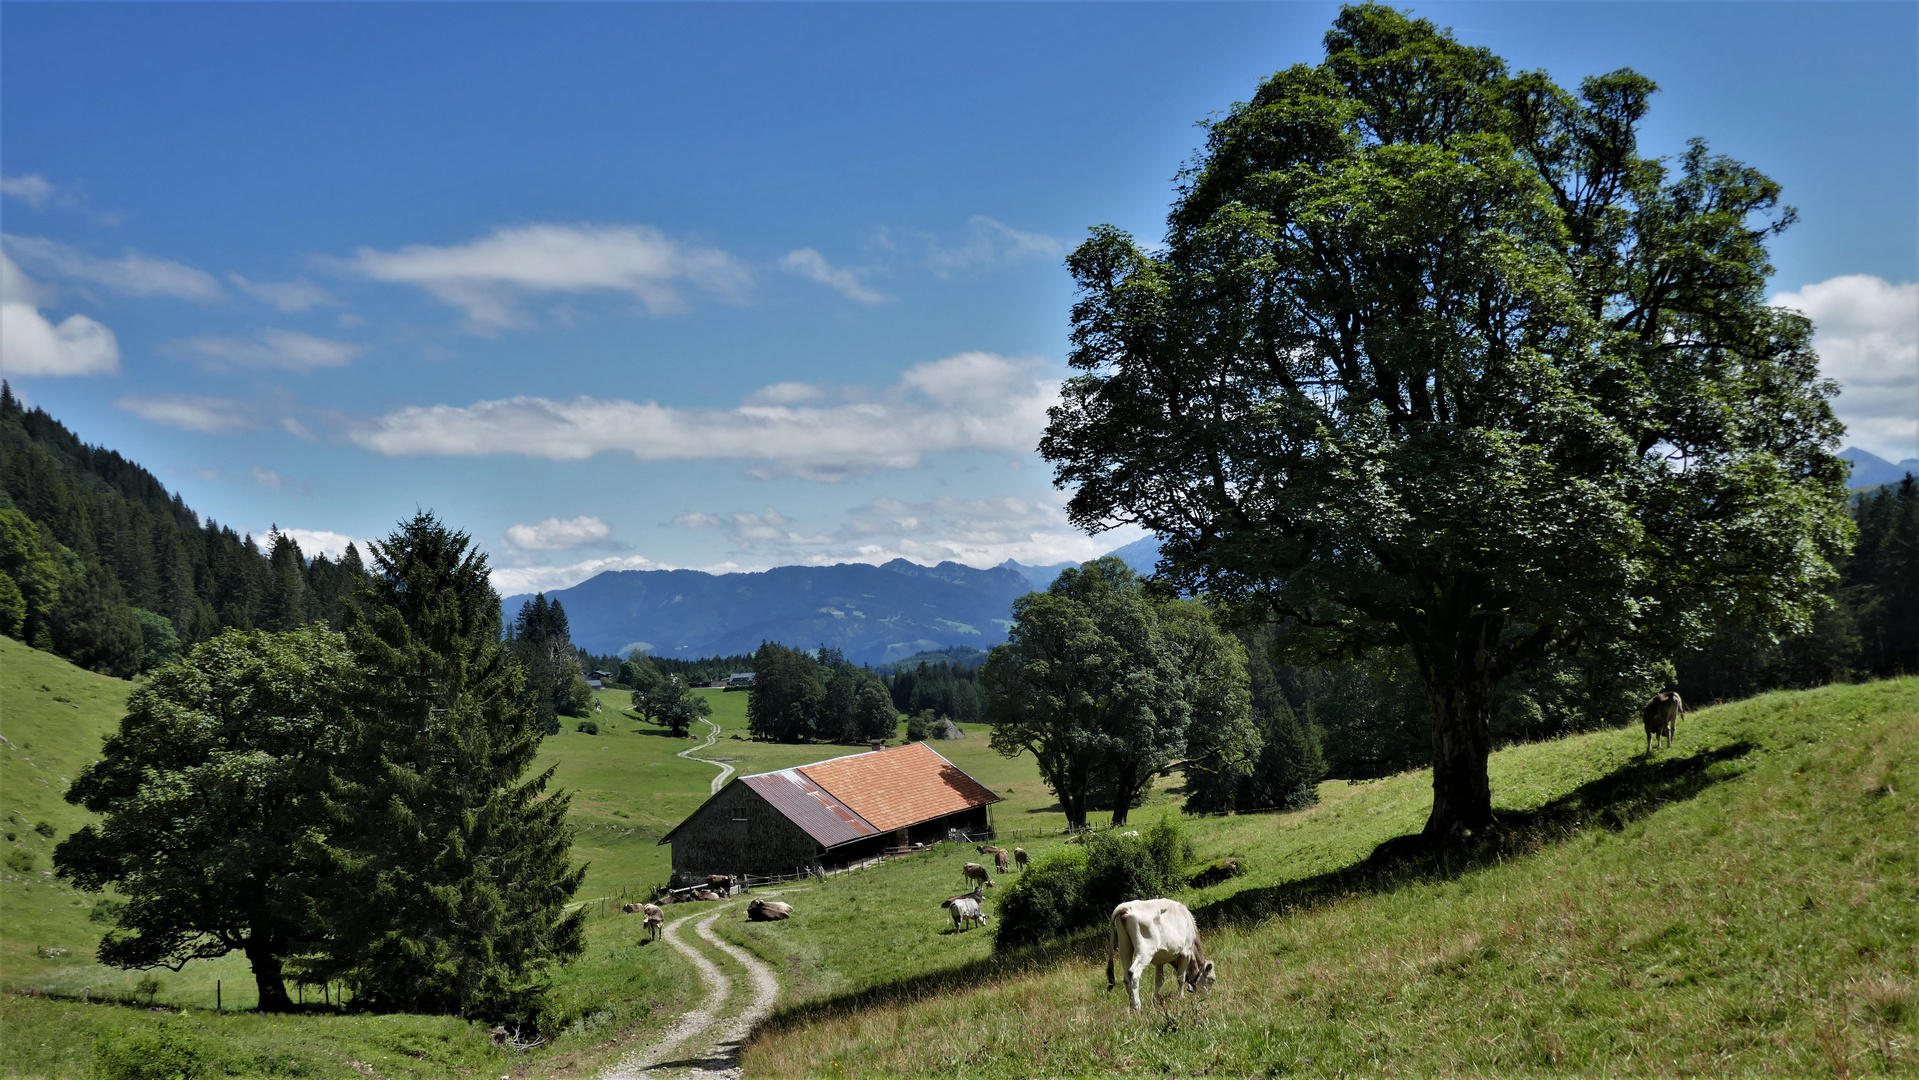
[{"x": 1201, "y": 977}]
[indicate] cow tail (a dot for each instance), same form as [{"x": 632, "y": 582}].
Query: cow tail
[{"x": 1112, "y": 946}]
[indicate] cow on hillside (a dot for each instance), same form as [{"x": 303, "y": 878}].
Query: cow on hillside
[
  {"x": 973, "y": 871},
  {"x": 1661, "y": 717},
  {"x": 1154, "y": 933},
  {"x": 1020, "y": 857},
  {"x": 767, "y": 910},
  {"x": 655, "y": 920}
]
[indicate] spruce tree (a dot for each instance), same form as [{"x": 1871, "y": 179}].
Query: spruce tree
[{"x": 454, "y": 867}]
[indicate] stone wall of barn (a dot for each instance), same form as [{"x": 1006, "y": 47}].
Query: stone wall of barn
[{"x": 737, "y": 832}]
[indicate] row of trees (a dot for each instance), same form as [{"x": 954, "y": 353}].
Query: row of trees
[
  {"x": 949, "y": 689},
  {"x": 343, "y": 805},
  {"x": 555, "y": 682},
  {"x": 100, "y": 564},
  {"x": 800, "y": 697}
]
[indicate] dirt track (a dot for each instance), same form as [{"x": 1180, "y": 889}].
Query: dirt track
[{"x": 703, "y": 1043}]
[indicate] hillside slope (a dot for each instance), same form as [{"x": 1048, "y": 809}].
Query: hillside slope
[{"x": 1744, "y": 903}]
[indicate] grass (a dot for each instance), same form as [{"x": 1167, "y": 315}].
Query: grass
[{"x": 1745, "y": 903}]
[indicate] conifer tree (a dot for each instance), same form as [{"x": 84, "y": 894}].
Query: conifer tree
[{"x": 454, "y": 866}]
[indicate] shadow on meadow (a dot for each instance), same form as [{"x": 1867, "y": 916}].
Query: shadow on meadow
[{"x": 1610, "y": 802}]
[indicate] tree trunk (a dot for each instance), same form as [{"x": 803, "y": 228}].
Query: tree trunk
[
  {"x": 267, "y": 976},
  {"x": 1125, "y": 784},
  {"x": 1461, "y": 717}
]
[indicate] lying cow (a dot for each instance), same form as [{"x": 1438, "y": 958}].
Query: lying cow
[
  {"x": 987, "y": 849},
  {"x": 655, "y": 920},
  {"x": 1661, "y": 717},
  {"x": 1020, "y": 857},
  {"x": 973, "y": 871},
  {"x": 1156, "y": 933},
  {"x": 705, "y": 894},
  {"x": 767, "y": 910},
  {"x": 966, "y": 910},
  {"x": 631, "y": 909},
  {"x": 720, "y": 883}
]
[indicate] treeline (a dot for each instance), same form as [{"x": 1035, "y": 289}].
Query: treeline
[
  {"x": 555, "y": 679},
  {"x": 950, "y": 690},
  {"x": 801, "y": 696},
  {"x": 343, "y": 806},
  {"x": 99, "y": 564}
]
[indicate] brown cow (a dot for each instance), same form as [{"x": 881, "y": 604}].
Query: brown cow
[
  {"x": 1661, "y": 717},
  {"x": 705, "y": 894},
  {"x": 1020, "y": 857},
  {"x": 999, "y": 859},
  {"x": 987, "y": 849},
  {"x": 720, "y": 883},
  {"x": 973, "y": 871},
  {"x": 655, "y": 919},
  {"x": 631, "y": 909},
  {"x": 767, "y": 910}
]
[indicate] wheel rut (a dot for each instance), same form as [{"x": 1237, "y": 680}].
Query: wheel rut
[
  {"x": 702, "y": 1043},
  {"x": 712, "y": 736}
]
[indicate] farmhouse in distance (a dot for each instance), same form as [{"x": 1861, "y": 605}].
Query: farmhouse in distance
[{"x": 830, "y": 814}]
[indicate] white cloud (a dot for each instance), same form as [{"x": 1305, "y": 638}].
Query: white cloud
[
  {"x": 785, "y": 393},
  {"x": 488, "y": 277},
  {"x": 1866, "y": 330},
  {"x": 267, "y": 478},
  {"x": 212, "y": 415},
  {"x": 813, "y": 266},
  {"x": 289, "y": 296},
  {"x": 972, "y": 401},
  {"x": 35, "y": 191},
  {"x": 32, "y": 344},
  {"x": 554, "y": 534},
  {"x": 989, "y": 243},
  {"x": 699, "y": 520},
  {"x": 133, "y": 273},
  {"x": 316, "y": 542},
  {"x": 512, "y": 580},
  {"x": 287, "y": 350}
]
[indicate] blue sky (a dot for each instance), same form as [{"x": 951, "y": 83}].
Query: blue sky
[{"x": 741, "y": 285}]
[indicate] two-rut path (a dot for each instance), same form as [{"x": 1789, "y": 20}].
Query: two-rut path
[
  {"x": 712, "y": 736},
  {"x": 702, "y": 1043}
]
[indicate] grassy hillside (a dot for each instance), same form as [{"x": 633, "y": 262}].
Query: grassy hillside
[{"x": 1747, "y": 902}]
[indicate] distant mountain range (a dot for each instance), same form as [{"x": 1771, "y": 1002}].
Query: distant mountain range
[
  {"x": 1871, "y": 470},
  {"x": 873, "y": 614}
]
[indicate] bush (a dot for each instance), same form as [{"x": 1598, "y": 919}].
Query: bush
[
  {"x": 166, "y": 1051},
  {"x": 1071, "y": 889},
  {"x": 589, "y": 727},
  {"x": 20, "y": 861}
]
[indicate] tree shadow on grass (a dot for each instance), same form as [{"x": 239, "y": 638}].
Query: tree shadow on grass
[{"x": 1610, "y": 802}]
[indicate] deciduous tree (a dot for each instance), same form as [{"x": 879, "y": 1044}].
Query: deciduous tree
[{"x": 1433, "y": 357}]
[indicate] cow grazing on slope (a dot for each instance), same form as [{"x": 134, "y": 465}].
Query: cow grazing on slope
[
  {"x": 966, "y": 910},
  {"x": 1154, "y": 933},
  {"x": 973, "y": 871},
  {"x": 655, "y": 920},
  {"x": 767, "y": 910},
  {"x": 1661, "y": 717},
  {"x": 1000, "y": 861},
  {"x": 1020, "y": 857}
]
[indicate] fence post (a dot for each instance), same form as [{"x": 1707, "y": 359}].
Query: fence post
[{"x": 216, "y": 995}]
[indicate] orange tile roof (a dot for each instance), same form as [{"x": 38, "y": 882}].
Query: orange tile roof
[{"x": 899, "y": 787}]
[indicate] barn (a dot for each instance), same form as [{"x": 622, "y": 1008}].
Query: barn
[{"x": 829, "y": 814}]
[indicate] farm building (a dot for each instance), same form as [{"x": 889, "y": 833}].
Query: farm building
[{"x": 829, "y": 814}]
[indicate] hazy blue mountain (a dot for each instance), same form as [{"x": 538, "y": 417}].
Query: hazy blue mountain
[
  {"x": 871, "y": 613},
  {"x": 1039, "y": 576},
  {"x": 1142, "y": 554},
  {"x": 1871, "y": 470},
  {"x": 959, "y": 656}
]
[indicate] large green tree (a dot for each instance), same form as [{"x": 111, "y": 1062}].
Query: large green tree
[
  {"x": 213, "y": 798},
  {"x": 1434, "y": 357},
  {"x": 454, "y": 865},
  {"x": 1105, "y": 686}
]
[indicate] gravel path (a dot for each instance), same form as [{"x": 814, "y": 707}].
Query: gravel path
[
  {"x": 712, "y": 736},
  {"x": 711, "y": 1044}
]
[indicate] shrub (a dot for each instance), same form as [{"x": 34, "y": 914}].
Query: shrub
[
  {"x": 589, "y": 727},
  {"x": 20, "y": 861},
  {"x": 165, "y": 1051},
  {"x": 1071, "y": 889},
  {"x": 43, "y": 829}
]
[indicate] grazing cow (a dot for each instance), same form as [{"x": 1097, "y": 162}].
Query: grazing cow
[
  {"x": 973, "y": 871},
  {"x": 1000, "y": 861},
  {"x": 1020, "y": 857},
  {"x": 655, "y": 920},
  {"x": 1156, "y": 933},
  {"x": 767, "y": 910},
  {"x": 966, "y": 911},
  {"x": 705, "y": 894},
  {"x": 1661, "y": 717}
]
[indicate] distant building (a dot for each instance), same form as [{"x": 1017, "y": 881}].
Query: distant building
[
  {"x": 740, "y": 678},
  {"x": 829, "y": 814},
  {"x": 592, "y": 684}
]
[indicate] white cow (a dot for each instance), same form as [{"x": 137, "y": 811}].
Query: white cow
[
  {"x": 1157, "y": 933},
  {"x": 966, "y": 912}
]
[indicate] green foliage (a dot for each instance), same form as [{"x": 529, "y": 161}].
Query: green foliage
[
  {"x": 453, "y": 867},
  {"x": 799, "y": 696},
  {"x": 20, "y": 861},
  {"x": 92, "y": 626},
  {"x": 1070, "y": 889},
  {"x": 158, "y": 643},
  {"x": 947, "y": 689},
  {"x": 1433, "y": 359},
  {"x": 168, "y": 1050},
  {"x": 210, "y": 794},
  {"x": 45, "y": 829},
  {"x": 588, "y": 727},
  {"x": 1105, "y": 687},
  {"x": 919, "y": 726},
  {"x": 28, "y": 559},
  {"x": 543, "y": 642}
]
